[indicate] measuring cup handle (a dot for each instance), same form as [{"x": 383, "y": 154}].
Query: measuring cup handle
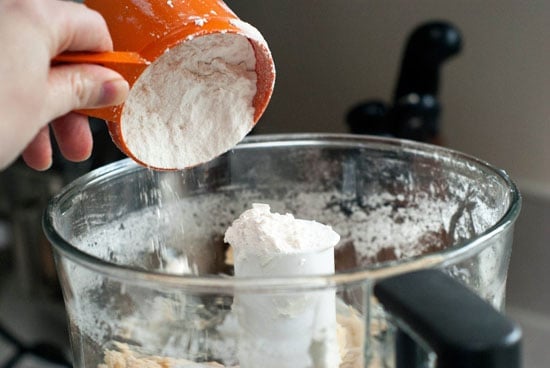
[
  {"x": 460, "y": 327},
  {"x": 109, "y": 58},
  {"x": 128, "y": 64}
]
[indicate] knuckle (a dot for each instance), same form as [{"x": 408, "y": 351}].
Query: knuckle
[{"x": 79, "y": 89}]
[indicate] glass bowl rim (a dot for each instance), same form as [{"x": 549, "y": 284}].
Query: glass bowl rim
[{"x": 220, "y": 284}]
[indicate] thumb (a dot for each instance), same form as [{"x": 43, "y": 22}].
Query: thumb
[{"x": 83, "y": 86}]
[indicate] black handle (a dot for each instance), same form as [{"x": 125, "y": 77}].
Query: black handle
[
  {"x": 415, "y": 109},
  {"x": 460, "y": 327},
  {"x": 427, "y": 48}
]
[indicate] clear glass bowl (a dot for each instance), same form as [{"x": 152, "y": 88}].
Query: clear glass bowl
[{"x": 148, "y": 279}]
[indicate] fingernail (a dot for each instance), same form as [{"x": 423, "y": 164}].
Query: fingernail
[
  {"x": 45, "y": 167},
  {"x": 113, "y": 92},
  {"x": 38, "y": 165}
]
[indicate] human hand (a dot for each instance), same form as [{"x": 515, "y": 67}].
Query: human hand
[{"x": 33, "y": 93}]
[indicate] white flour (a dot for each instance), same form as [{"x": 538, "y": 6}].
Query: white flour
[
  {"x": 258, "y": 232},
  {"x": 193, "y": 103}
]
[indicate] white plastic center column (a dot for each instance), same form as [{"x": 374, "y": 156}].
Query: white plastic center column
[{"x": 291, "y": 328}]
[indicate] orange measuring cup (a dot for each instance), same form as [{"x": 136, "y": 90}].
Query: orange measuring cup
[
  {"x": 144, "y": 30},
  {"x": 129, "y": 64}
]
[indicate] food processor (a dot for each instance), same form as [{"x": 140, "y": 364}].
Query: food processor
[{"x": 420, "y": 269}]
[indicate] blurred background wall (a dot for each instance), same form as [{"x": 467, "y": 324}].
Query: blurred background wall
[{"x": 495, "y": 94}]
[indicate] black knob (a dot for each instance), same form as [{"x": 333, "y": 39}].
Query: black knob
[{"x": 369, "y": 117}]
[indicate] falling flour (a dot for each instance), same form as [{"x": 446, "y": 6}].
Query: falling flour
[{"x": 193, "y": 103}]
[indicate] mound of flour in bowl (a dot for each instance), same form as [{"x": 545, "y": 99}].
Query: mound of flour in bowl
[
  {"x": 193, "y": 103},
  {"x": 259, "y": 235}
]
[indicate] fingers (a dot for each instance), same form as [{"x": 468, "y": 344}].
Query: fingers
[
  {"x": 34, "y": 93},
  {"x": 74, "y": 137},
  {"x": 81, "y": 86},
  {"x": 77, "y": 28},
  {"x": 38, "y": 154},
  {"x": 59, "y": 25}
]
